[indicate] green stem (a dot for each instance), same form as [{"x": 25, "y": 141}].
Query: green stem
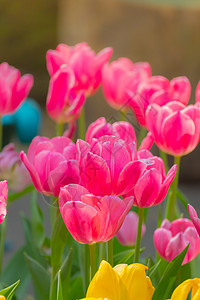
[
  {"x": 139, "y": 234},
  {"x": 102, "y": 252},
  {"x": 86, "y": 267},
  {"x": 171, "y": 205},
  {"x": 141, "y": 135},
  {"x": 110, "y": 252},
  {"x": 2, "y": 243},
  {"x": 59, "y": 129},
  {"x": 122, "y": 115},
  {"x": 81, "y": 125},
  {"x": 164, "y": 157},
  {"x": 92, "y": 260}
]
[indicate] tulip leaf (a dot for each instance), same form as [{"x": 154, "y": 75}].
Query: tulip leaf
[
  {"x": 125, "y": 257},
  {"x": 37, "y": 221},
  {"x": 59, "y": 288},
  {"x": 16, "y": 269},
  {"x": 163, "y": 289},
  {"x": 183, "y": 199},
  {"x": 9, "y": 291},
  {"x": 40, "y": 276},
  {"x": 76, "y": 289},
  {"x": 65, "y": 272},
  {"x": 15, "y": 196},
  {"x": 58, "y": 242}
]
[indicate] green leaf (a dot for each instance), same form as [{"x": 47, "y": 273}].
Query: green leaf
[
  {"x": 58, "y": 242},
  {"x": 16, "y": 269},
  {"x": 9, "y": 291},
  {"x": 59, "y": 288},
  {"x": 40, "y": 276},
  {"x": 125, "y": 257},
  {"x": 76, "y": 289},
  {"x": 65, "y": 272},
  {"x": 16, "y": 196},
  {"x": 37, "y": 221},
  {"x": 163, "y": 289},
  {"x": 183, "y": 200}
]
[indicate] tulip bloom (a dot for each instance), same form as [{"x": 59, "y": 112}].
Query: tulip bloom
[
  {"x": 109, "y": 166},
  {"x": 3, "y": 199},
  {"x": 12, "y": 169},
  {"x": 174, "y": 127},
  {"x": 121, "y": 282},
  {"x": 51, "y": 163},
  {"x": 194, "y": 218},
  {"x": 152, "y": 186},
  {"x": 122, "y": 130},
  {"x": 91, "y": 219},
  {"x": 127, "y": 234},
  {"x": 13, "y": 88},
  {"x": 64, "y": 105},
  {"x": 158, "y": 89},
  {"x": 121, "y": 77},
  {"x": 172, "y": 238},
  {"x": 85, "y": 64},
  {"x": 183, "y": 290}
]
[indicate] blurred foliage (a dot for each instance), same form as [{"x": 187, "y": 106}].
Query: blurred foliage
[
  {"x": 187, "y": 3},
  {"x": 27, "y": 30}
]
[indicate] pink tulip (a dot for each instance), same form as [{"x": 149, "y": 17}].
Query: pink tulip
[
  {"x": 159, "y": 90},
  {"x": 13, "y": 88},
  {"x": 122, "y": 130},
  {"x": 174, "y": 127},
  {"x": 152, "y": 187},
  {"x": 194, "y": 218},
  {"x": 172, "y": 238},
  {"x": 13, "y": 170},
  {"x": 127, "y": 234},
  {"x": 51, "y": 163},
  {"x": 85, "y": 64},
  {"x": 63, "y": 104},
  {"x": 3, "y": 199},
  {"x": 121, "y": 77},
  {"x": 91, "y": 219},
  {"x": 109, "y": 166}
]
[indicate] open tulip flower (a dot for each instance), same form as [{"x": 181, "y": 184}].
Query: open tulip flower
[
  {"x": 89, "y": 218},
  {"x": 64, "y": 105},
  {"x": 3, "y": 199},
  {"x": 194, "y": 218},
  {"x": 52, "y": 164},
  {"x": 152, "y": 186},
  {"x": 121, "y": 76},
  {"x": 172, "y": 238},
  {"x": 128, "y": 232},
  {"x": 123, "y": 282},
  {"x": 122, "y": 130},
  {"x": 109, "y": 166},
  {"x": 12, "y": 169},
  {"x": 159, "y": 90},
  {"x": 175, "y": 128},
  {"x": 13, "y": 88},
  {"x": 183, "y": 290},
  {"x": 85, "y": 64}
]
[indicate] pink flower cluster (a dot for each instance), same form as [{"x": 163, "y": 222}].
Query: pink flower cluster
[{"x": 90, "y": 176}]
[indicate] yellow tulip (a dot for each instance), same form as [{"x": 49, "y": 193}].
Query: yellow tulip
[
  {"x": 183, "y": 290},
  {"x": 2, "y": 297},
  {"x": 124, "y": 282}
]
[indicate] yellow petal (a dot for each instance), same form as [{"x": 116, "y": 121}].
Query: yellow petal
[
  {"x": 134, "y": 277},
  {"x": 91, "y": 299},
  {"x": 2, "y": 297},
  {"x": 183, "y": 290},
  {"x": 105, "y": 283}
]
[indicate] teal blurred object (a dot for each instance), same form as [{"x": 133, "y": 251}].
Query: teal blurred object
[{"x": 26, "y": 122}]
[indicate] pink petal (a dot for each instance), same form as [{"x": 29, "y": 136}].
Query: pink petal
[
  {"x": 175, "y": 246},
  {"x": 54, "y": 61},
  {"x": 161, "y": 239}
]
